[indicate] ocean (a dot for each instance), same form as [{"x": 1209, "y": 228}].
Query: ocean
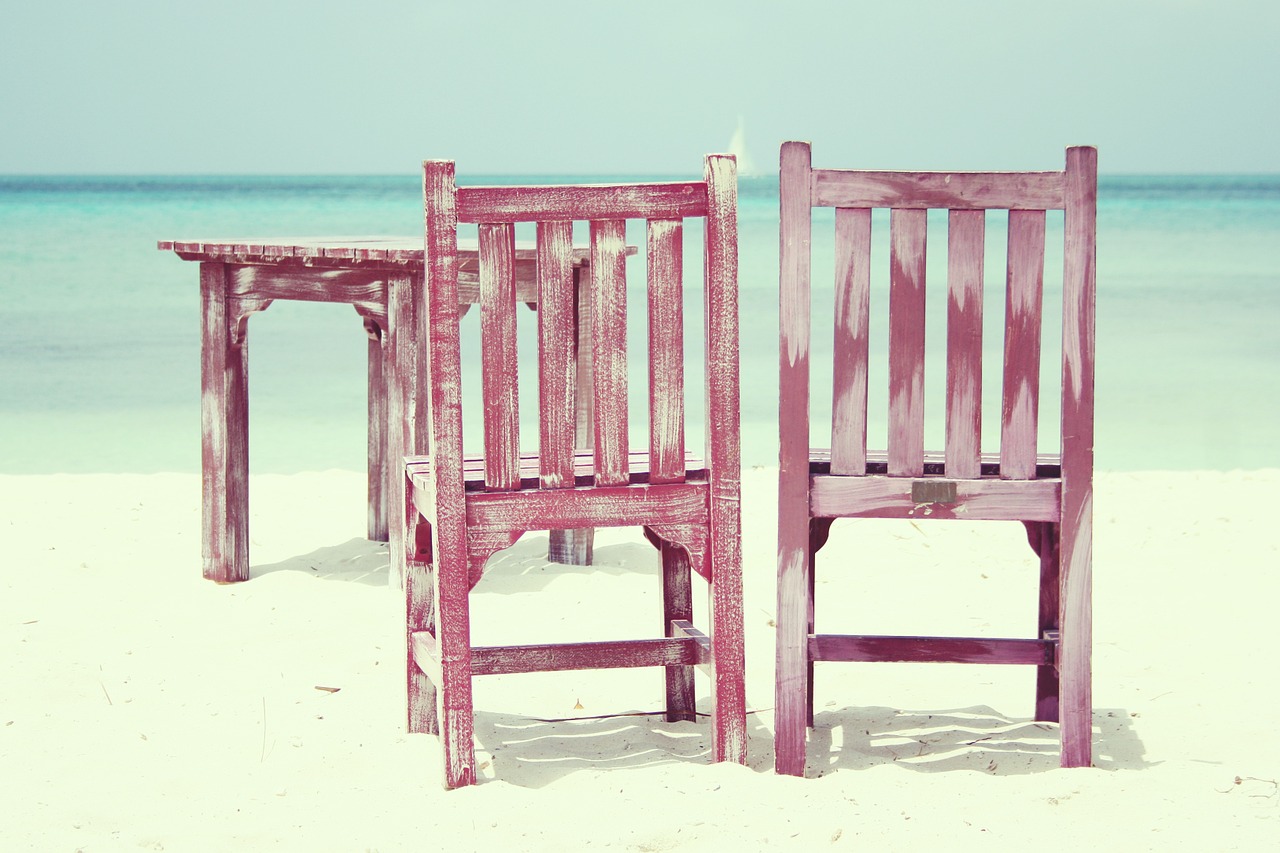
[{"x": 99, "y": 331}]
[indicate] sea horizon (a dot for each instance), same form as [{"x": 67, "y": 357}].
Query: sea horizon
[{"x": 99, "y": 357}]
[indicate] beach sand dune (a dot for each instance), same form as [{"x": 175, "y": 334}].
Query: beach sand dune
[{"x": 142, "y": 707}]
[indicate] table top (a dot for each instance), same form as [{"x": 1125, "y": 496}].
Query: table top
[{"x": 403, "y": 252}]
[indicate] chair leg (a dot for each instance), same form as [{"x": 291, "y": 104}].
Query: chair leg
[
  {"x": 452, "y": 582},
  {"x": 420, "y": 616},
  {"x": 791, "y": 678},
  {"x": 728, "y": 659},
  {"x": 819, "y": 530},
  {"x": 1044, "y": 540},
  {"x": 677, "y": 603},
  {"x": 1075, "y": 664}
]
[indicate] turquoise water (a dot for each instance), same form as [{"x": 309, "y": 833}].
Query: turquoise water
[{"x": 99, "y": 348}]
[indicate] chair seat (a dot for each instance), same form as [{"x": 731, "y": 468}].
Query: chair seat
[
  {"x": 585, "y": 504},
  {"x": 990, "y": 497}
]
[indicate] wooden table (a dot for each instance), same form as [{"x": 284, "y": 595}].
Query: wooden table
[{"x": 375, "y": 275}]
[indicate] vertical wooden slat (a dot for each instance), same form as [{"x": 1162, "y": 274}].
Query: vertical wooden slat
[
  {"x": 556, "y": 345},
  {"x": 609, "y": 345},
  {"x": 793, "y": 457},
  {"x": 498, "y": 363},
  {"x": 906, "y": 342},
  {"x": 966, "y": 230},
  {"x": 853, "y": 312},
  {"x": 1023, "y": 300},
  {"x": 438, "y": 330},
  {"x": 728, "y": 689},
  {"x": 666, "y": 351},
  {"x": 1076, "y": 555}
]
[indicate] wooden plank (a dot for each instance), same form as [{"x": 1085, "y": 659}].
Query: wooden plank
[
  {"x": 505, "y": 660},
  {"x": 422, "y": 644},
  {"x": 224, "y": 422},
  {"x": 941, "y": 190},
  {"x": 852, "y": 335},
  {"x": 376, "y": 438},
  {"x": 666, "y": 350},
  {"x": 880, "y": 649},
  {"x": 906, "y": 342},
  {"x": 609, "y": 349},
  {"x": 1076, "y": 560},
  {"x": 599, "y": 202},
  {"x": 728, "y": 689},
  {"x": 891, "y": 497},
  {"x": 1023, "y": 299},
  {"x": 560, "y": 509},
  {"x": 438, "y": 327},
  {"x": 357, "y": 286},
  {"x": 556, "y": 354},
  {"x": 790, "y": 680},
  {"x": 499, "y": 358},
  {"x": 966, "y": 232}
]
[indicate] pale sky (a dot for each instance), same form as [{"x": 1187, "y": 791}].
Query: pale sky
[{"x": 269, "y": 86}]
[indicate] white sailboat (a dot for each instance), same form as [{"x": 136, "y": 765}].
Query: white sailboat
[{"x": 738, "y": 148}]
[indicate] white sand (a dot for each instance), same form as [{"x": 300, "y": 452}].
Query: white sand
[{"x": 142, "y": 707}]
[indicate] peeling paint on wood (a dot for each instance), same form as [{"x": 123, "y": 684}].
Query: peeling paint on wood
[
  {"x": 1050, "y": 495},
  {"x": 689, "y": 508}
]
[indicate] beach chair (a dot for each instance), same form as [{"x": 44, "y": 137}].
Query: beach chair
[
  {"x": 1051, "y": 495},
  {"x": 463, "y": 509}
]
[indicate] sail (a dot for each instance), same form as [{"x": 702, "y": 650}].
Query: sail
[{"x": 738, "y": 148}]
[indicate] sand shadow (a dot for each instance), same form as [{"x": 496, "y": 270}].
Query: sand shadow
[
  {"x": 533, "y": 753},
  {"x": 976, "y": 738},
  {"x": 524, "y": 566},
  {"x": 355, "y": 561}
]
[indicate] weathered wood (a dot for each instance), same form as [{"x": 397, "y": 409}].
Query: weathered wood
[
  {"x": 906, "y": 342},
  {"x": 666, "y": 350},
  {"x": 842, "y": 647},
  {"x": 575, "y": 547},
  {"x": 1024, "y": 296},
  {"x": 1076, "y": 556},
  {"x": 378, "y": 487},
  {"x": 356, "y": 270},
  {"x": 505, "y": 660},
  {"x": 723, "y": 430},
  {"x": 600, "y": 202},
  {"x": 966, "y": 233},
  {"x": 940, "y": 190},
  {"x": 498, "y": 363},
  {"x": 1050, "y": 494},
  {"x": 556, "y": 354},
  {"x": 677, "y": 606},
  {"x": 852, "y": 336},
  {"x": 790, "y": 683},
  {"x": 438, "y": 327},
  {"x": 891, "y": 497},
  {"x": 587, "y": 506},
  {"x": 224, "y": 419},
  {"x": 693, "y": 512},
  {"x": 609, "y": 349}
]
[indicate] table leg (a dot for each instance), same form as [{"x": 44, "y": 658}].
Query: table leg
[
  {"x": 224, "y": 416},
  {"x": 378, "y": 474},
  {"x": 574, "y": 547}
]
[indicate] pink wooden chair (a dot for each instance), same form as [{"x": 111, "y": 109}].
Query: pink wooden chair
[
  {"x": 1051, "y": 495},
  {"x": 462, "y": 509}
]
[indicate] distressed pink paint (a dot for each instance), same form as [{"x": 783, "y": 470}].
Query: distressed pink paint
[
  {"x": 460, "y": 510},
  {"x": 1050, "y": 496},
  {"x": 373, "y": 274}
]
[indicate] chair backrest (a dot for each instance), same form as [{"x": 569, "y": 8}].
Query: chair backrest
[
  {"x": 554, "y": 209},
  {"x": 967, "y": 196}
]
